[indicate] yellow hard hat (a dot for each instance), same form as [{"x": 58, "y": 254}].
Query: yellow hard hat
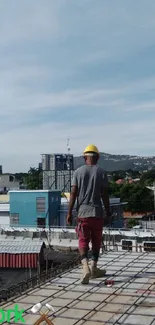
[{"x": 91, "y": 148}]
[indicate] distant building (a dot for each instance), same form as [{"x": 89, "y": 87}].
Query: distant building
[
  {"x": 57, "y": 171},
  {"x": 40, "y": 166},
  {"x": 8, "y": 182},
  {"x": 38, "y": 208},
  {"x": 4, "y": 214},
  {"x": 4, "y": 198},
  {"x": 1, "y": 170},
  {"x": 127, "y": 180},
  {"x": 120, "y": 181},
  {"x": 42, "y": 208}
]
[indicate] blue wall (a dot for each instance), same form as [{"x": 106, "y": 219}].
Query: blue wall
[
  {"x": 54, "y": 199},
  {"x": 24, "y": 204},
  {"x": 118, "y": 223}
]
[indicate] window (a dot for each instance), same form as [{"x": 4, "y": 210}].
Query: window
[
  {"x": 127, "y": 245},
  {"x": 4, "y": 213},
  {"x": 148, "y": 246},
  {"x": 41, "y": 222},
  {"x": 14, "y": 219},
  {"x": 11, "y": 178},
  {"x": 41, "y": 204}
]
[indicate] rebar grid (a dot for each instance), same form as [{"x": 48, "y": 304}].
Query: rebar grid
[
  {"x": 84, "y": 319},
  {"x": 53, "y": 296},
  {"x": 115, "y": 293},
  {"x": 27, "y": 285}
]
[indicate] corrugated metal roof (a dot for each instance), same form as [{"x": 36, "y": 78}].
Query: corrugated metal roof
[{"x": 22, "y": 246}]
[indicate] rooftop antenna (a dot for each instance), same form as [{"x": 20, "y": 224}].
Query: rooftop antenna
[{"x": 68, "y": 146}]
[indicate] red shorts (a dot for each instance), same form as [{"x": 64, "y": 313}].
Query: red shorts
[{"x": 90, "y": 229}]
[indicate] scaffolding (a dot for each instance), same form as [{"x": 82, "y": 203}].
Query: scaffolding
[{"x": 57, "y": 180}]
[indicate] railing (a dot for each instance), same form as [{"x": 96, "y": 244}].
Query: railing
[
  {"x": 28, "y": 285},
  {"x": 59, "y": 233}
]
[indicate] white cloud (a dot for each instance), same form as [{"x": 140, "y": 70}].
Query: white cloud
[
  {"x": 54, "y": 57},
  {"x": 24, "y": 148},
  {"x": 29, "y": 21}
]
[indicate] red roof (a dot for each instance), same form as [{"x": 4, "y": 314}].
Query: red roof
[
  {"x": 20, "y": 254},
  {"x": 120, "y": 181}
]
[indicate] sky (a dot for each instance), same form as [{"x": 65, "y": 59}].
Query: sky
[{"x": 83, "y": 70}]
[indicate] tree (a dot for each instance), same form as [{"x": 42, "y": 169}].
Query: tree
[
  {"x": 20, "y": 177},
  {"x": 132, "y": 223},
  {"x": 114, "y": 189},
  {"x": 34, "y": 180},
  {"x": 139, "y": 198},
  {"x": 148, "y": 178}
]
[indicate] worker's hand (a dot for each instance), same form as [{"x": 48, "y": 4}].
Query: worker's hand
[
  {"x": 108, "y": 220},
  {"x": 69, "y": 219}
]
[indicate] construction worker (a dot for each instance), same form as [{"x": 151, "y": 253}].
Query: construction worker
[{"x": 90, "y": 188}]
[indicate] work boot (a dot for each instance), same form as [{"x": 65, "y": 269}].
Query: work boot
[
  {"x": 86, "y": 272},
  {"x": 96, "y": 272}
]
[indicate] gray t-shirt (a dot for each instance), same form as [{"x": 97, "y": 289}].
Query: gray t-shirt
[{"x": 90, "y": 180}]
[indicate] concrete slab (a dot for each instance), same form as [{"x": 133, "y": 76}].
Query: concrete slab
[
  {"x": 139, "y": 320},
  {"x": 131, "y": 300},
  {"x": 45, "y": 292}
]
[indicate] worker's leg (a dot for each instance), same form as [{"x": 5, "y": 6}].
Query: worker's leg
[
  {"x": 96, "y": 238},
  {"x": 83, "y": 233}
]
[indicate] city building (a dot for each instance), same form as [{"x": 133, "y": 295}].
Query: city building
[
  {"x": 4, "y": 214},
  {"x": 46, "y": 208},
  {"x": 1, "y": 169},
  {"x": 8, "y": 182},
  {"x": 57, "y": 171},
  {"x": 4, "y": 198},
  {"x": 38, "y": 208}
]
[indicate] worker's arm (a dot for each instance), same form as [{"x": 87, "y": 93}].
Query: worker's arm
[
  {"x": 105, "y": 198},
  {"x": 73, "y": 196},
  {"x": 72, "y": 200}
]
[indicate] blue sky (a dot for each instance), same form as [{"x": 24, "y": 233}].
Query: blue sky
[{"x": 83, "y": 70}]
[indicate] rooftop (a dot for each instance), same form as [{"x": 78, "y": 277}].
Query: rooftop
[
  {"x": 32, "y": 191},
  {"x": 131, "y": 300},
  {"x": 4, "y": 198},
  {"x": 23, "y": 246}
]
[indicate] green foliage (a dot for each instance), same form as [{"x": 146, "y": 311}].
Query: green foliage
[
  {"x": 121, "y": 174},
  {"x": 148, "y": 177},
  {"x": 33, "y": 180},
  {"x": 139, "y": 199},
  {"x": 132, "y": 223},
  {"x": 20, "y": 177}
]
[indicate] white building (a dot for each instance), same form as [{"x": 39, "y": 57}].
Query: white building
[
  {"x": 8, "y": 182},
  {"x": 4, "y": 214}
]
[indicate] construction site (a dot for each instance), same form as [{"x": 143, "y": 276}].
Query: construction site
[{"x": 125, "y": 295}]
